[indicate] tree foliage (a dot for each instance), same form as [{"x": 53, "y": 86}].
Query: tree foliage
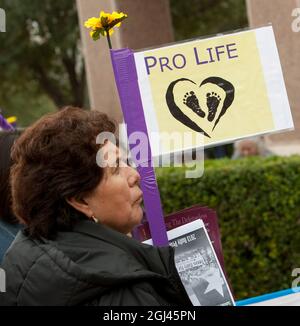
[
  {"x": 41, "y": 49},
  {"x": 194, "y": 18}
]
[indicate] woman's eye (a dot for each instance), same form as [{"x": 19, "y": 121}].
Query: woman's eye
[
  {"x": 115, "y": 169},
  {"x": 121, "y": 163}
]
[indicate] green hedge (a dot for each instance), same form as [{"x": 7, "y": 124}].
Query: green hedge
[{"x": 258, "y": 205}]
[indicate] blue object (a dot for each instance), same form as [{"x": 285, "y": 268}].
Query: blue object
[
  {"x": 220, "y": 151},
  {"x": 8, "y": 233},
  {"x": 267, "y": 297}
]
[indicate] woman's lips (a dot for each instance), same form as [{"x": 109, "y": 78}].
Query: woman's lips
[{"x": 139, "y": 199}]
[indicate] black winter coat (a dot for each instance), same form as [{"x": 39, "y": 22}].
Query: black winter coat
[{"x": 92, "y": 265}]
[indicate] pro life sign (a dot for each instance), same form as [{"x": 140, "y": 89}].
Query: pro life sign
[
  {"x": 226, "y": 87},
  {"x": 2, "y": 20},
  {"x": 223, "y": 88}
]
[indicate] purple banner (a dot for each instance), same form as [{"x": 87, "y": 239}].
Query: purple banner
[
  {"x": 127, "y": 84},
  {"x": 5, "y": 125}
]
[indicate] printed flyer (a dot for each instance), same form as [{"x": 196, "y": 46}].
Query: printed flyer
[{"x": 198, "y": 265}]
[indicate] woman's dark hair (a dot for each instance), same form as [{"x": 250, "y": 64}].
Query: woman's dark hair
[
  {"x": 54, "y": 160},
  {"x": 7, "y": 139}
]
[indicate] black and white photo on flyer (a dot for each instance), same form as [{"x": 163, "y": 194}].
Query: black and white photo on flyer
[{"x": 198, "y": 266}]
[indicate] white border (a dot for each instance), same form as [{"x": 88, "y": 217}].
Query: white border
[{"x": 277, "y": 93}]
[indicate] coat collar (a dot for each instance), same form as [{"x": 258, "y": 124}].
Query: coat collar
[{"x": 158, "y": 259}]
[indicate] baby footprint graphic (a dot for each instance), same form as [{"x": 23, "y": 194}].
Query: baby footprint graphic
[
  {"x": 191, "y": 101},
  {"x": 212, "y": 101}
]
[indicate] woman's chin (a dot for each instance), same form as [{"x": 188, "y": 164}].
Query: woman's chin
[
  {"x": 141, "y": 213},
  {"x": 138, "y": 215}
]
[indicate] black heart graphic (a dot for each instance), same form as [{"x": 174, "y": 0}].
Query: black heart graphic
[{"x": 212, "y": 101}]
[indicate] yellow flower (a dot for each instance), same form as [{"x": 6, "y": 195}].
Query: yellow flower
[
  {"x": 110, "y": 32},
  {"x": 95, "y": 34},
  {"x": 93, "y": 23},
  {"x": 108, "y": 21},
  {"x": 11, "y": 120},
  {"x": 104, "y": 24}
]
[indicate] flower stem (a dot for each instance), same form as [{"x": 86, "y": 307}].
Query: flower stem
[{"x": 108, "y": 39}]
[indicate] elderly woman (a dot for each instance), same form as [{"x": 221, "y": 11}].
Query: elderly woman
[{"x": 75, "y": 249}]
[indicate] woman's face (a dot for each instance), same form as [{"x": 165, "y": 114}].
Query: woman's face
[{"x": 116, "y": 201}]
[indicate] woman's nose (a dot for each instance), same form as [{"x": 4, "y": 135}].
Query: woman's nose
[{"x": 134, "y": 178}]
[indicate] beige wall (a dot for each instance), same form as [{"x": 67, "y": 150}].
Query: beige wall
[
  {"x": 148, "y": 24},
  {"x": 279, "y": 13}
]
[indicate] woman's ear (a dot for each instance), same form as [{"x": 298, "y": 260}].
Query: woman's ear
[{"x": 80, "y": 205}]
